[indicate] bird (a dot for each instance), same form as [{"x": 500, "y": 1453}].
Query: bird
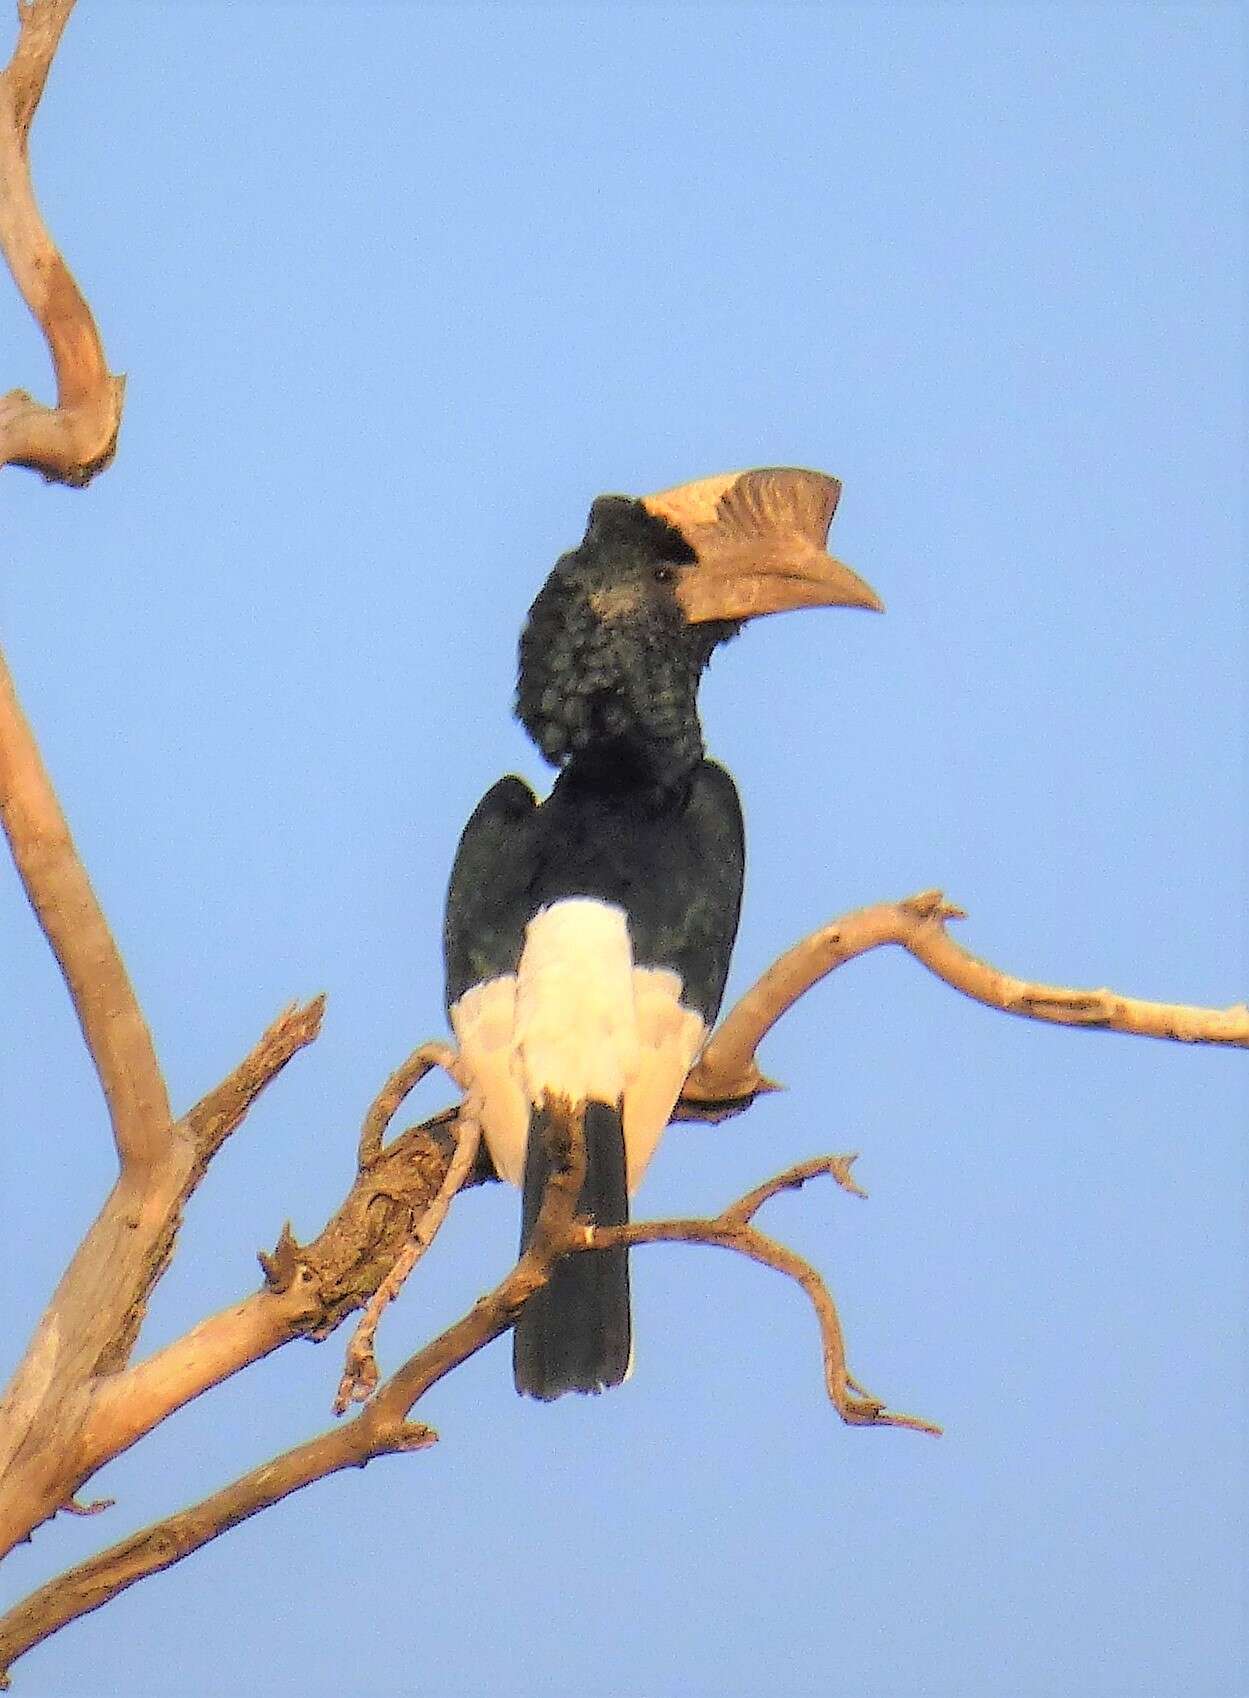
[{"x": 587, "y": 936}]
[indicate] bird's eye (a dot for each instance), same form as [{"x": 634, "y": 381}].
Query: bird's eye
[{"x": 665, "y": 574}]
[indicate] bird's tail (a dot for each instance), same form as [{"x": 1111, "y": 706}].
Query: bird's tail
[{"x": 574, "y": 1334}]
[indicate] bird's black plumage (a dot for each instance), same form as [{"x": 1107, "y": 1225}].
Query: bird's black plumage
[
  {"x": 576, "y": 1334},
  {"x": 609, "y": 664},
  {"x": 588, "y": 937},
  {"x": 672, "y": 859},
  {"x": 638, "y": 819}
]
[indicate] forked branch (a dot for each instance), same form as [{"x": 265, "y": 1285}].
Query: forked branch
[
  {"x": 71, "y": 1404},
  {"x": 71, "y": 442},
  {"x": 383, "y": 1426},
  {"x": 733, "y": 1229}
]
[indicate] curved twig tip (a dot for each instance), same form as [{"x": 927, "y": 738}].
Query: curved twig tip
[
  {"x": 839, "y": 1167},
  {"x": 97, "y": 1506},
  {"x": 385, "y": 1105}
]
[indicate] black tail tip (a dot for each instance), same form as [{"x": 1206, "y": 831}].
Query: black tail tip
[
  {"x": 546, "y": 1386},
  {"x": 575, "y": 1334}
]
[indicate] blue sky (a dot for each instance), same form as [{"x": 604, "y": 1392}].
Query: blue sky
[{"x": 399, "y": 290}]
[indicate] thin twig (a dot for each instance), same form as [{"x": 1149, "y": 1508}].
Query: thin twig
[
  {"x": 404, "y": 1079},
  {"x": 793, "y": 1179},
  {"x": 97, "y": 1506},
  {"x": 360, "y": 1373},
  {"x": 217, "y": 1113},
  {"x": 732, "y": 1230}
]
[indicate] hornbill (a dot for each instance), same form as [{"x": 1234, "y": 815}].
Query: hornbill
[{"x": 587, "y": 938}]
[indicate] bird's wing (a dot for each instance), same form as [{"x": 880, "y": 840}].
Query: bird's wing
[
  {"x": 691, "y": 942},
  {"x": 687, "y": 920},
  {"x": 484, "y": 929},
  {"x": 483, "y": 935}
]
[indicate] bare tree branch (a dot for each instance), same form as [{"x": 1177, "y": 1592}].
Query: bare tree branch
[
  {"x": 74, "y": 1405},
  {"x": 793, "y": 1179},
  {"x": 360, "y": 1372},
  {"x": 65, "y": 905},
  {"x": 404, "y": 1079},
  {"x": 77, "y": 438},
  {"x": 728, "y": 1072},
  {"x": 732, "y": 1230},
  {"x": 213, "y": 1118},
  {"x": 127, "y": 1406},
  {"x": 381, "y": 1428},
  {"x": 366, "y": 1251},
  {"x": 399, "y": 1197},
  {"x": 54, "y": 1418},
  {"x": 70, "y": 1406},
  {"x": 310, "y": 1288}
]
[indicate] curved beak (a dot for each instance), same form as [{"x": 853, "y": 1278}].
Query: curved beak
[
  {"x": 759, "y": 538},
  {"x": 748, "y": 587}
]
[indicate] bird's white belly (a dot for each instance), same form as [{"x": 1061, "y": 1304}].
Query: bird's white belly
[{"x": 577, "y": 1018}]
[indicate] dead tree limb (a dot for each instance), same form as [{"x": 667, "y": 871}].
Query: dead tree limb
[
  {"x": 360, "y": 1373},
  {"x": 59, "y": 891},
  {"x": 733, "y": 1229},
  {"x": 728, "y": 1072},
  {"x": 54, "y": 1430},
  {"x": 383, "y": 1427},
  {"x": 71, "y": 442},
  {"x": 75, "y": 1403},
  {"x": 309, "y": 1289}
]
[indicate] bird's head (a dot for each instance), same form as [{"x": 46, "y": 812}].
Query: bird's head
[{"x": 619, "y": 634}]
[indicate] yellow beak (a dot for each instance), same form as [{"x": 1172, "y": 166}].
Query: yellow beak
[{"x": 759, "y": 537}]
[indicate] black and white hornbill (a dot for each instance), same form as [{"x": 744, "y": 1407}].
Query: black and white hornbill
[{"x": 588, "y": 937}]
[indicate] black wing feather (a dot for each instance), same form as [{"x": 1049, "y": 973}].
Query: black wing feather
[
  {"x": 696, "y": 936},
  {"x": 487, "y": 908},
  {"x": 676, "y": 869}
]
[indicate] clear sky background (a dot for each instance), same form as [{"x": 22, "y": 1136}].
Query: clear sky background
[{"x": 399, "y": 290}]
